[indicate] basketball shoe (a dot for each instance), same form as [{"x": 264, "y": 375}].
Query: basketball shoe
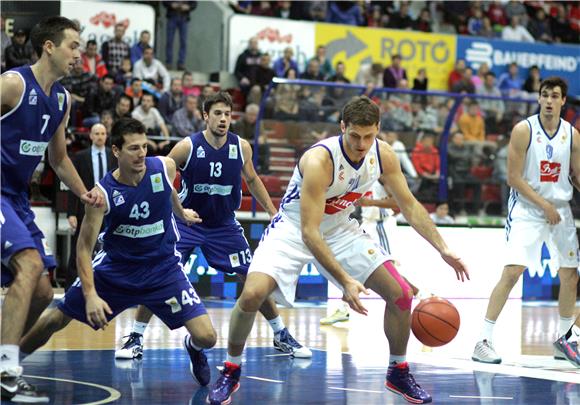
[
  {"x": 198, "y": 364},
  {"x": 401, "y": 381},
  {"x": 340, "y": 315},
  {"x": 485, "y": 353},
  {"x": 16, "y": 389},
  {"x": 227, "y": 383},
  {"x": 284, "y": 342},
  {"x": 133, "y": 347},
  {"x": 568, "y": 350}
]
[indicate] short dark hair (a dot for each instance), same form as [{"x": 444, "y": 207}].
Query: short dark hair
[
  {"x": 125, "y": 126},
  {"x": 361, "y": 111},
  {"x": 552, "y": 82},
  {"x": 147, "y": 47},
  {"x": 219, "y": 97},
  {"x": 50, "y": 29},
  {"x": 91, "y": 42},
  {"x": 126, "y": 97},
  {"x": 490, "y": 74},
  {"x": 146, "y": 94},
  {"x": 396, "y": 56},
  {"x": 107, "y": 76}
]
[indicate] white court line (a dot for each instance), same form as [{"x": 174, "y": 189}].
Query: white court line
[
  {"x": 478, "y": 397},
  {"x": 264, "y": 379},
  {"x": 278, "y": 355},
  {"x": 355, "y": 390},
  {"x": 113, "y": 393}
]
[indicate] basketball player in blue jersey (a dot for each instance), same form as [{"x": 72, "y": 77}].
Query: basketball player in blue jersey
[
  {"x": 212, "y": 163},
  {"x": 34, "y": 113},
  {"x": 139, "y": 263}
]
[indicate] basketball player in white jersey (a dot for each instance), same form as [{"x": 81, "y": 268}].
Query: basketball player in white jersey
[
  {"x": 544, "y": 151},
  {"x": 313, "y": 225}
]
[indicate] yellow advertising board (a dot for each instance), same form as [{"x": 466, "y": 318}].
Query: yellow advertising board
[{"x": 360, "y": 45}]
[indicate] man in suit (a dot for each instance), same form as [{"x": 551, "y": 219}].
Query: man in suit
[{"x": 92, "y": 164}]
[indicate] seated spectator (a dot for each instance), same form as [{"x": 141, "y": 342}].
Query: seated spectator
[
  {"x": 262, "y": 8},
  {"x": 427, "y": 117},
  {"x": 487, "y": 31},
  {"x": 115, "y": 50},
  {"x": 152, "y": 70},
  {"x": 394, "y": 73},
  {"x": 475, "y": 22},
  {"x": 171, "y": 100},
  {"x": 187, "y": 120},
  {"x": 135, "y": 91},
  {"x": 510, "y": 83},
  {"x": 283, "y": 9},
  {"x": 471, "y": 124},
  {"x": 532, "y": 83},
  {"x": 496, "y": 14},
  {"x": 344, "y": 12},
  {"x": 18, "y": 54},
  {"x": 286, "y": 104},
  {"x": 106, "y": 119},
  {"x": 401, "y": 19},
  {"x": 189, "y": 89},
  {"x": 560, "y": 26},
  {"x": 465, "y": 85},
  {"x": 459, "y": 172},
  {"x": 423, "y": 22},
  {"x": 370, "y": 73},
  {"x": 103, "y": 98},
  {"x": 421, "y": 82},
  {"x": 313, "y": 71},
  {"x": 493, "y": 110},
  {"x": 540, "y": 27},
  {"x": 154, "y": 124},
  {"x": 92, "y": 62},
  {"x": 123, "y": 107},
  {"x": 516, "y": 32},
  {"x": 79, "y": 84},
  {"x": 138, "y": 49},
  {"x": 324, "y": 65},
  {"x": 515, "y": 8},
  {"x": 206, "y": 91},
  {"x": 441, "y": 215},
  {"x": 376, "y": 18},
  {"x": 392, "y": 138},
  {"x": 316, "y": 10},
  {"x": 456, "y": 74},
  {"x": 479, "y": 78},
  {"x": 124, "y": 75},
  {"x": 285, "y": 62},
  {"x": 338, "y": 75},
  {"x": 425, "y": 158},
  {"x": 259, "y": 83},
  {"x": 247, "y": 65},
  {"x": 246, "y": 128}
]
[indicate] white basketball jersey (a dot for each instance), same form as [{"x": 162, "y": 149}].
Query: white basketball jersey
[
  {"x": 376, "y": 213},
  {"x": 547, "y": 164},
  {"x": 349, "y": 183}
]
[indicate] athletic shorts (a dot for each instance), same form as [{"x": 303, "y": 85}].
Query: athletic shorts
[
  {"x": 527, "y": 230},
  {"x": 18, "y": 232},
  {"x": 282, "y": 254},
  {"x": 225, "y": 248},
  {"x": 173, "y": 299},
  {"x": 381, "y": 231}
]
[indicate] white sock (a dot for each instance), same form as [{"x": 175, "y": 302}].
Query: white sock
[
  {"x": 139, "y": 327},
  {"x": 397, "y": 359},
  {"x": 277, "y": 324},
  {"x": 193, "y": 344},
  {"x": 564, "y": 325},
  {"x": 234, "y": 359},
  {"x": 9, "y": 356},
  {"x": 487, "y": 331}
]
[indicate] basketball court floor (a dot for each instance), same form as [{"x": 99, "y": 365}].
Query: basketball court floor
[{"x": 348, "y": 366}]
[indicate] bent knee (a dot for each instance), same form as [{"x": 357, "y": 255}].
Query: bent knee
[
  {"x": 207, "y": 339},
  {"x": 251, "y": 300},
  {"x": 27, "y": 265},
  {"x": 404, "y": 297},
  {"x": 512, "y": 274}
]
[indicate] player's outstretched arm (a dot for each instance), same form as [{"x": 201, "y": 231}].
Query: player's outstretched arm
[
  {"x": 96, "y": 309},
  {"x": 188, "y": 215},
  {"x": 253, "y": 181},
  {"x": 11, "y": 89},
  {"x": 417, "y": 216},
  {"x": 316, "y": 167},
  {"x": 575, "y": 159},
  {"x": 517, "y": 149}
]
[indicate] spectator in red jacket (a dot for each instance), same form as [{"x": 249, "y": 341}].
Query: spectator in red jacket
[
  {"x": 425, "y": 158},
  {"x": 92, "y": 61},
  {"x": 457, "y": 74}
]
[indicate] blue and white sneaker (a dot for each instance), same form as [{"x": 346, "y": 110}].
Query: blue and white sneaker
[
  {"x": 568, "y": 350},
  {"x": 401, "y": 381},
  {"x": 226, "y": 385},
  {"x": 198, "y": 362},
  {"x": 132, "y": 349},
  {"x": 284, "y": 342}
]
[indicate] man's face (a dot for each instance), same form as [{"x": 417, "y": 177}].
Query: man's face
[
  {"x": 132, "y": 154},
  {"x": 187, "y": 81},
  {"x": 107, "y": 84},
  {"x": 265, "y": 60},
  {"x": 458, "y": 139},
  {"x": 489, "y": 81},
  {"x": 340, "y": 69},
  {"x": 191, "y": 104},
  {"x": 176, "y": 87},
  {"x": 251, "y": 116},
  {"x": 123, "y": 106},
  {"x": 427, "y": 141},
  {"x": 314, "y": 67},
  {"x": 397, "y": 62},
  {"x": 136, "y": 86},
  {"x": 91, "y": 50},
  {"x": 358, "y": 139},
  {"x": 20, "y": 39},
  {"x": 145, "y": 38},
  {"x": 147, "y": 103},
  {"x": 119, "y": 31},
  {"x": 218, "y": 120},
  {"x": 64, "y": 56},
  {"x": 98, "y": 135},
  {"x": 148, "y": 56},
  {"x": 442, "y": 210},
  {"x": 288, "y": 53},
  {"x": 253, "y": 45},
  {"x": 551, "y": 101}
]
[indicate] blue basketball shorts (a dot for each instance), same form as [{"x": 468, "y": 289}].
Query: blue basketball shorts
[
  {"x": 225, "y": 247},
  {"x": 18, "y": 232},
  {"x": 170, "y": 296}
]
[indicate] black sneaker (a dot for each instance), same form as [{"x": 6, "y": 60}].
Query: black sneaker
[
  {"x": 132, "y": 349},
  {"x": 198, "y": 362},
  {"x": 16, "y": 389}
]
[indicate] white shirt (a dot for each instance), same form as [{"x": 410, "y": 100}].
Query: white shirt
[
  {"x": 153, "y": 72},
  {"x": 406, "y": 164},
  {"x": 95, "y": 159},
  {"x": 151, "y": 119},
  {"x": 446, "y": 220},
  {"x": 518, "y": 34}
]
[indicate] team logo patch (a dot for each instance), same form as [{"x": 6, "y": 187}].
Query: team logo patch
[
  {"x": 200, "y": 152},
  {"x": 341, "y": 175},
  {"x": 371, "y": 252},
  {"x": 60, "y": 97},
  {"x": 549, "y": 151},
  {"x": 235, "y": 260},
  {"x": 571, "y": 253},
  {"x": 233, "y": 152},
  {"x": 549, "y": 171},
  {"x": 32, "y": 97},
  {"x": 118, "y": 198},
  {"x": 372, "y": 161},
  {"x": 563, "y": 139},
  {"x": 156, "y": 182},
  {"x": 7, "y": 244},
  {"x": 174, "y": 304}
]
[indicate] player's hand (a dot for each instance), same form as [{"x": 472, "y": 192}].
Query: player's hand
[
  {"x": 454, "y": 261},
  {"x": 364, "y": 202},
  {"x": 73, "y": 223},
  {"x": 552, "y": 215},
  {"x": 350, "y": 295},
  {"x": 191, "y": 217},
  {"x": 96, "y": 310},
  {"x": 94, "y": 198}
]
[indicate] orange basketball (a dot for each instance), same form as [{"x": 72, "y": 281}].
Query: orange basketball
[{"x": 435, "y": 321}]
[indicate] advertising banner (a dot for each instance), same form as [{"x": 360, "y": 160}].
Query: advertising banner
[
  {"x": 359, "y": 45},
  {"x": 98, "y": 19},
  {"x": 553, "y": 60}
]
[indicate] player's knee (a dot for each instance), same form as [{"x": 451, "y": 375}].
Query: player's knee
[
  {"x": 55, "y": 320},
  {"x": 27, "y": 266},
  {"x": 206, "y": 339},
  {"x": 404, "y": 298},
  {"x": 512, "y": 274},
  {"x": 251, "y": 299},
  {"x": 568, "y": 276}
]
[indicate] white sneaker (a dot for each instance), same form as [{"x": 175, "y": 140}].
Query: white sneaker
[
  {"x": 340, "y": 315},
  {"x": 132, "y": 348},
  {"x": 284, "y": 342},
  {"x": 485, "y": 353}
]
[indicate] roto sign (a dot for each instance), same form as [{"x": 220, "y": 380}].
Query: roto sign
[{"x": 422, "y": 49}]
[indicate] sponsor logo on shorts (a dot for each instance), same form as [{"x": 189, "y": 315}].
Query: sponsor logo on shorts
[
  {"x": 156, "y": 182},
  {"x": 174, "y": 304},
  {"x": 549, "y": 171},
  {"x": 235, "y": 260},
  {"x": 46, "y": 247},
  {"x": 32, "y": 148},
  {"x": 212, "y": 189},
  {"x": 143, "y": 231}
]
